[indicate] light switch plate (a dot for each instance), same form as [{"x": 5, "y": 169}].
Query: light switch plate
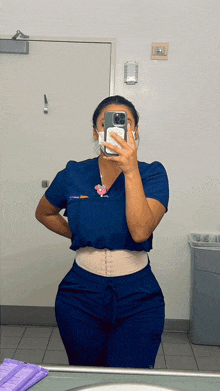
[{"x": 156, "y": 55}]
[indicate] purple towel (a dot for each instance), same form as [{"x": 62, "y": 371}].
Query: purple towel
[{"x": 19, "y": 376}]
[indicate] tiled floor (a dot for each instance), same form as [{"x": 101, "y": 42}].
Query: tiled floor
[{"x": 43, "y": 346}]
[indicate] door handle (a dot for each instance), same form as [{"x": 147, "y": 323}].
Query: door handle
[{"x": 45, "y": 105}]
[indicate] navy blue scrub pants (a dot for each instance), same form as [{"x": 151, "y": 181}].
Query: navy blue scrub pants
[{"x": 110, "y": 321}]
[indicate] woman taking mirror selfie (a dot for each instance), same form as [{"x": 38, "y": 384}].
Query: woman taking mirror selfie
[{"x": 109, "y": 307}]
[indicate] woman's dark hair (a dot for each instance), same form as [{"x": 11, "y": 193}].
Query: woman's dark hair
[{"x": 118, "y": 100}]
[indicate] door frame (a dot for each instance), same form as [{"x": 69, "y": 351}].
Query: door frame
[{"x": 111, "y": 41}]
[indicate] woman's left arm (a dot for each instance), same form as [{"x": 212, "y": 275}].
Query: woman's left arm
[{"x": 143, "y": 214}]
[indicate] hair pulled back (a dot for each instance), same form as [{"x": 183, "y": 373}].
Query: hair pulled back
[{"x": 118, "y": 100}]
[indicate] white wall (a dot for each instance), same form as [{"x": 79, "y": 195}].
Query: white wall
[{"x": 178, "y": 102}]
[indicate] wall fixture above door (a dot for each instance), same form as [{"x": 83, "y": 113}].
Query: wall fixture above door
[
  {"x": 14, "y": 47},
  {"x": 22, "y": 35}
]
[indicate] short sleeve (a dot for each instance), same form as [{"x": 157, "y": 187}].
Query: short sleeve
[
  {"x": 156, "y": 183},
  {"x": 55, "y": 193}
]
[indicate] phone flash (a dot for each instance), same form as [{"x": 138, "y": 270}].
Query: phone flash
[{"x": 131, "y": 72}]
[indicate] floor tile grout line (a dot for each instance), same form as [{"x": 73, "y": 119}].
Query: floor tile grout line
[
  {"x": 164, "y": 355},
  {"x": 192, "y": 350},
  {"x": 19, "y": 342},
  {"x": 194, "y": 356},
  {"x": 47, "y": 345}
]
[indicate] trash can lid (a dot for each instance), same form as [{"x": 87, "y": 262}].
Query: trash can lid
[{"x": 204, "y": 240}]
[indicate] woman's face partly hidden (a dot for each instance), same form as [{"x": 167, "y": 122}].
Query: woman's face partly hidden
[{"x": 101, "y": 118}]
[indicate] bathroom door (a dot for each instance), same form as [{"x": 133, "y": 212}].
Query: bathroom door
[{"x": 75, "y": 77}]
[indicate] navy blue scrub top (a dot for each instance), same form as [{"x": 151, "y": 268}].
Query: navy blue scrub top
[{"x": 100, "y": 222}]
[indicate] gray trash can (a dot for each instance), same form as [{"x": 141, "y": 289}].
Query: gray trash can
[{"x": 205, "y": 289}]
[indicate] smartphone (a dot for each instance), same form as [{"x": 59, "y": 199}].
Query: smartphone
[{"x": 116, "y": 122}]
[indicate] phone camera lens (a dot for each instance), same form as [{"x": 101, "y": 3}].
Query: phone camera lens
[
  {"x": 117, "y": 119},
  {"x": 122, "y": 119}
]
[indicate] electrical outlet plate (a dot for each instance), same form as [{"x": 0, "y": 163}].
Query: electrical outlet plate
[{"x": 160, "y": 51}]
